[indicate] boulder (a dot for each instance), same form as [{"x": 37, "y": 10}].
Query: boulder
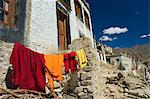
[
  {"x": 78, "y": 89},
  {"x": 81, "y": 94},
  {"x": 89, "y": 89}
]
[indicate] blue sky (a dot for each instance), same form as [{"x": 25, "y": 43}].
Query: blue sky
[{"x": 121, "y": 23}]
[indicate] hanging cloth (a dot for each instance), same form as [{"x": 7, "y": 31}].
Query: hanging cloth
[
  {"x": 82, "y": 58},
  {"x": 28, "y": 69},
  {"x": 70, "y": 62},
  {"x": 54, "y": 68}
]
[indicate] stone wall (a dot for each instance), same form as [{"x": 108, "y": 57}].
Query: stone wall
[
  {"x": 88, "y": 77},
  {"x": 5, "y": 52},
  {"x": 86, "y": 82}
]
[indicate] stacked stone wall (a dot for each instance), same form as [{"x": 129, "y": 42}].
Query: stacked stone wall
[{"x": 88, "y": 77}]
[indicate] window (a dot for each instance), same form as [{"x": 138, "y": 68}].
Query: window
[
  {"x": 16, "y": 12},
  {"x": 78, "y": 10},
  {"x": 1, "y": 10},
  {"x": 81, "y": 34},
  {"x": 7, "y": 12},
  {"x": 64, "y": 38},
  {"x": 86, "y": 18},
  {"x": 66, "y": 3}
]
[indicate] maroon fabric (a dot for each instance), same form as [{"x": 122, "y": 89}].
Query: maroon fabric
[
  {"x": 73, "y": 62},
  {"x": 28, "y": 68},
  {"x": 70, "y": 62},
  {"x": 66, "y": 63}
]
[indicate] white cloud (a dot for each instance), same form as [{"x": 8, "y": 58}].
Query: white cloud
[
  {"x": 137, "y": 12},
  {"x": 106, "y": 38},
  {"x": 115, "y": 30},
  {"x": 115, "y": 38},
  {"x": 146, "y": 35}
]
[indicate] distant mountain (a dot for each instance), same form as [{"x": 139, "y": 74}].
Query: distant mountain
[{"x": 137, "y": 52}]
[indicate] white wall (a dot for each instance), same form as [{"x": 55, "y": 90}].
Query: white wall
[
  {"x": 73, "y": 23},
  {"x": 126, "y": 62},
  {"x": 43, "y": 26},
  {"x": 113, "y": 60}
]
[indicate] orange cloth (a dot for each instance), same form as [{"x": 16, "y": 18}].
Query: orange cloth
[{"x": 53, "y": 65}]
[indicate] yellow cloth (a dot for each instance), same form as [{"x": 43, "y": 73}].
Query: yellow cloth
[
  {"x": 53, "y": 65},
  {"x": 82, "y": 58}
]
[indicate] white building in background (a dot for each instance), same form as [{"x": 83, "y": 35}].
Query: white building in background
[
  {"x": 104, "y": 51},
  {"x": 136, "y": 63},
  {"x": 45, "y": 25},
  {"x": 123, "y": 60}
]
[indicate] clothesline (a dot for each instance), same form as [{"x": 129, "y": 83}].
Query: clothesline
[
  {"x": 30, "y": 68},
  {"x": 59, "y": 52}
]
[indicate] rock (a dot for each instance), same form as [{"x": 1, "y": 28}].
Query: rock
[
  {"x": 69, "y": 97},
  {"x": 90, "y": 55},
  {"x": 85, "y": 45},
  {"x": 79, "y": 84},
  {"x": 120, "y": 76},
  {"x": 87, "y": 69},
  {"x": 56, "y": 85},
  {"x": 89, "y": 89},
  {"x": 90, "y": 63},
  {"x": 58, "y": 90},
  {"x": 85, "y": 90},
  {"x": 85, "y": 76},
  {"x": 89, "y": 50},
  {"x": 82, "y": 94},
  {"x": 78, "y": 89},
  {"x": 5, "y": 97},
  {"x": 86, "y": 83},
  {"x": 86, "y": 97},
  {"x": 78, "y": 73},
  {"x": 107, "y": 91}
]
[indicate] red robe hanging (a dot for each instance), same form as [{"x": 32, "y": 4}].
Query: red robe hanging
[
  {"x": 28, "y": 69},
  {"x": 70, "y": 62}
]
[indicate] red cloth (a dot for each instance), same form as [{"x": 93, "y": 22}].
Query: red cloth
[
  {"x": 28, "y": 69},
  {"x": 70, "y": 62},
  {"x": 66, "y": 63}
]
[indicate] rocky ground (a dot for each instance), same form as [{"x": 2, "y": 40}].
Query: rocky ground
[
  {"x": 117, "y": 86},
  {"x": 106, "y": 82}
]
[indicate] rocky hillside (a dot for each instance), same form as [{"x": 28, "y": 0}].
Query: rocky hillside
[
  {"x": 138, "y": 52},
  {"x": 116, "y": 85}
]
